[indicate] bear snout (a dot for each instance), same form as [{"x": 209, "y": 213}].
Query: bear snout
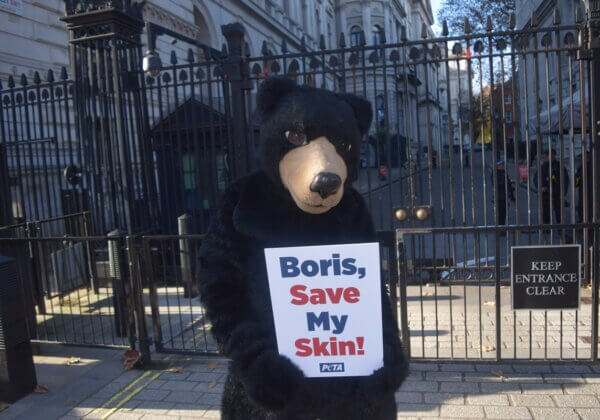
[{"x": 326, "y": 184}]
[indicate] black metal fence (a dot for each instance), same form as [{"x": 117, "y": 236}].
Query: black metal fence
[{"x": 480, "y": 142}]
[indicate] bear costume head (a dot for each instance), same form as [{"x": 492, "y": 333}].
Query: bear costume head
[{"x": 311, "y": 141}]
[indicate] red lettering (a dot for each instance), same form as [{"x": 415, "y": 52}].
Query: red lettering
[
  {"x": 336, "y": 296},
  {"x": 300, "y": 298},
  {"x": 320, "y": 296},
  {"x": 317, "y": 297},
  {"x": 320, "y": 348},
  {"x": 304, "y": 350},
  {"x": 306, "y": 347},
  {"x": 351, "y": 295}
]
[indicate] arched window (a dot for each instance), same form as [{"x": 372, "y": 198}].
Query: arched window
[
  {"x": 377, "y": 35},
  {"x": 355, "y": 36}
]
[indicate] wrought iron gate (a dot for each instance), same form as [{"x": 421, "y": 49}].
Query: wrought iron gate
[{"x": 463, "y": 124}]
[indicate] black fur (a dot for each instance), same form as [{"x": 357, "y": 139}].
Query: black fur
[{"x": 257, "y": 213}]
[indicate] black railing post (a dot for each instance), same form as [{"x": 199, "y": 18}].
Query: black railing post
[
  {"x": 6, "y": 216},
  {"x": 591, "y": 43},
  {"x": 402, "y": 279},
  {"x": 137, "y": 300},
  {"x": 105, "y": 45},
  {"x": 236, "y": 72}
]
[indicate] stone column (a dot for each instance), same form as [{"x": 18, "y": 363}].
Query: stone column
[{"x": 366, "y": 18}]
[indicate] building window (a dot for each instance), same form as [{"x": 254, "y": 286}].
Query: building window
[
  {"x": 508, "y": 117},
  {"x": 380, "y": 110},
  {"x": 355, "y": 36},
  {"x": 508, "y": 99},
  {"x": 377, "y": 35},
  {"x": 189, "y": 172}
]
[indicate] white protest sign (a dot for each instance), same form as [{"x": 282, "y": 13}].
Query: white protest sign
[{"x": 327, "y": 307}]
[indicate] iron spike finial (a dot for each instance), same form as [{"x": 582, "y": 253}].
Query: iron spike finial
[
  {"x": 488, "y": 24},
  {"x": 50, "y": 76},
  {"x": 445, "y": 31},
  {"x": 303, "y": 44},
  {"x": 556, "y": 17},
  {"x": 207, "y": 54},
  {"x": 342, "y": 43},
  {"x": 247, "y": 50},
  {"x": 284, "y": 48},
  {"x": 534, "y": 20},
  {"x": 424, "y": 31},
  {"x": 173, "y": 58},
  {"x": 403, "y": 34},
  {"x": 224, "y": 52},
  {"x": 11, "y": 82},
  {"x": 467, "y": 26},
  {"x": 512, "y": 21},
  {"x": 383, "y": 39},
  {"x": 322, "y": 42},
  {"x": 578, "y": 15},
  {"x": 363, "y": 39},
  {"x": 190, "y": 56},
  {"x": 264, "y": 50},
  {"x": 63, "y": 73},
  {"x": 23, "y": 79},
  {"x": 36, "y": 78}
]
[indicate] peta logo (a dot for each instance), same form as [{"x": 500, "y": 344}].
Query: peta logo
[{"x": 331, "y": 367}]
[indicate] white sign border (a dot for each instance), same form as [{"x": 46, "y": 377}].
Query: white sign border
[{"x": 512, "y": 276}]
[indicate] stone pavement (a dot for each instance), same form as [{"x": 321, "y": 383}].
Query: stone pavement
[{"x": 179, "y": 387}]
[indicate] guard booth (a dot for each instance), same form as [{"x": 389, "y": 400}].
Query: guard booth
[{"x": 191, "y": 147}]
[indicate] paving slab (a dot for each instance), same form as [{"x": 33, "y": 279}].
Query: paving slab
[{"x": 190, "y": 387}]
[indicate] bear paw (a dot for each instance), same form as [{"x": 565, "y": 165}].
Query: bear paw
[{"x": 271, "y": 380}]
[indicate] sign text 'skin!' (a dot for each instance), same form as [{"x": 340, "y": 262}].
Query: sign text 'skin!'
[{"x": 327, "y": 307}]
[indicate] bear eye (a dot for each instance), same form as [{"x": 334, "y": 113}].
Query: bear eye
[{"x": 297, "y": 138}]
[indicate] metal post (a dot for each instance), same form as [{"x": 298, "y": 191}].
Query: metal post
[
  {"x": 6, "y": 217},
  {"x": 117, "y": 26},
  {"x": 184, "y": 223},
  {"x": 236, "y": 73},
  {"x": 185, "y": 256},
  {"x": 402, "y": 277},
  {"x": 117, "y": 274},
  {"x": 592, "y": 33},
  {"x": 137, "y": 301}
]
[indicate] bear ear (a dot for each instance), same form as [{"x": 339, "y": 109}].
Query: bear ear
[
  {"x": 362, "y": 110},
  {"x": 271, "y": 91}
]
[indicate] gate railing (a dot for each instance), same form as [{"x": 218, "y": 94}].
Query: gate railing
[
  {"x": 136, "y": 150},
  {"x": 468, "y": 315}
]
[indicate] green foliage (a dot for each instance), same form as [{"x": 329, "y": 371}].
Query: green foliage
[{"x": 455, "y": 11}]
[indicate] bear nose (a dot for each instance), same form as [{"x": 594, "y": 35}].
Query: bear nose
[{"x": 326, "y": 184}]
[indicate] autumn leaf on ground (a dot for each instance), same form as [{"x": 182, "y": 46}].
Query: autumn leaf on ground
[
  {"x": 489, "y": 303},
  {"x": 427, "y": 294},
  {"x": 73, "y": 361},
  {"x": 212, "y": 365},
  {"x": 489, "y": 348},
  {"x": 175, "y": 370},
  {"x": 40, "y": 389},
  {"x": 131, "y": 359},
  {"x": 499, "y": 374},
  {"x": 211, "y": 385}
]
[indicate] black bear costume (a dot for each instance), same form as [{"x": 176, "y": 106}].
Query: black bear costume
[{"x": 262, "y": 210}]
